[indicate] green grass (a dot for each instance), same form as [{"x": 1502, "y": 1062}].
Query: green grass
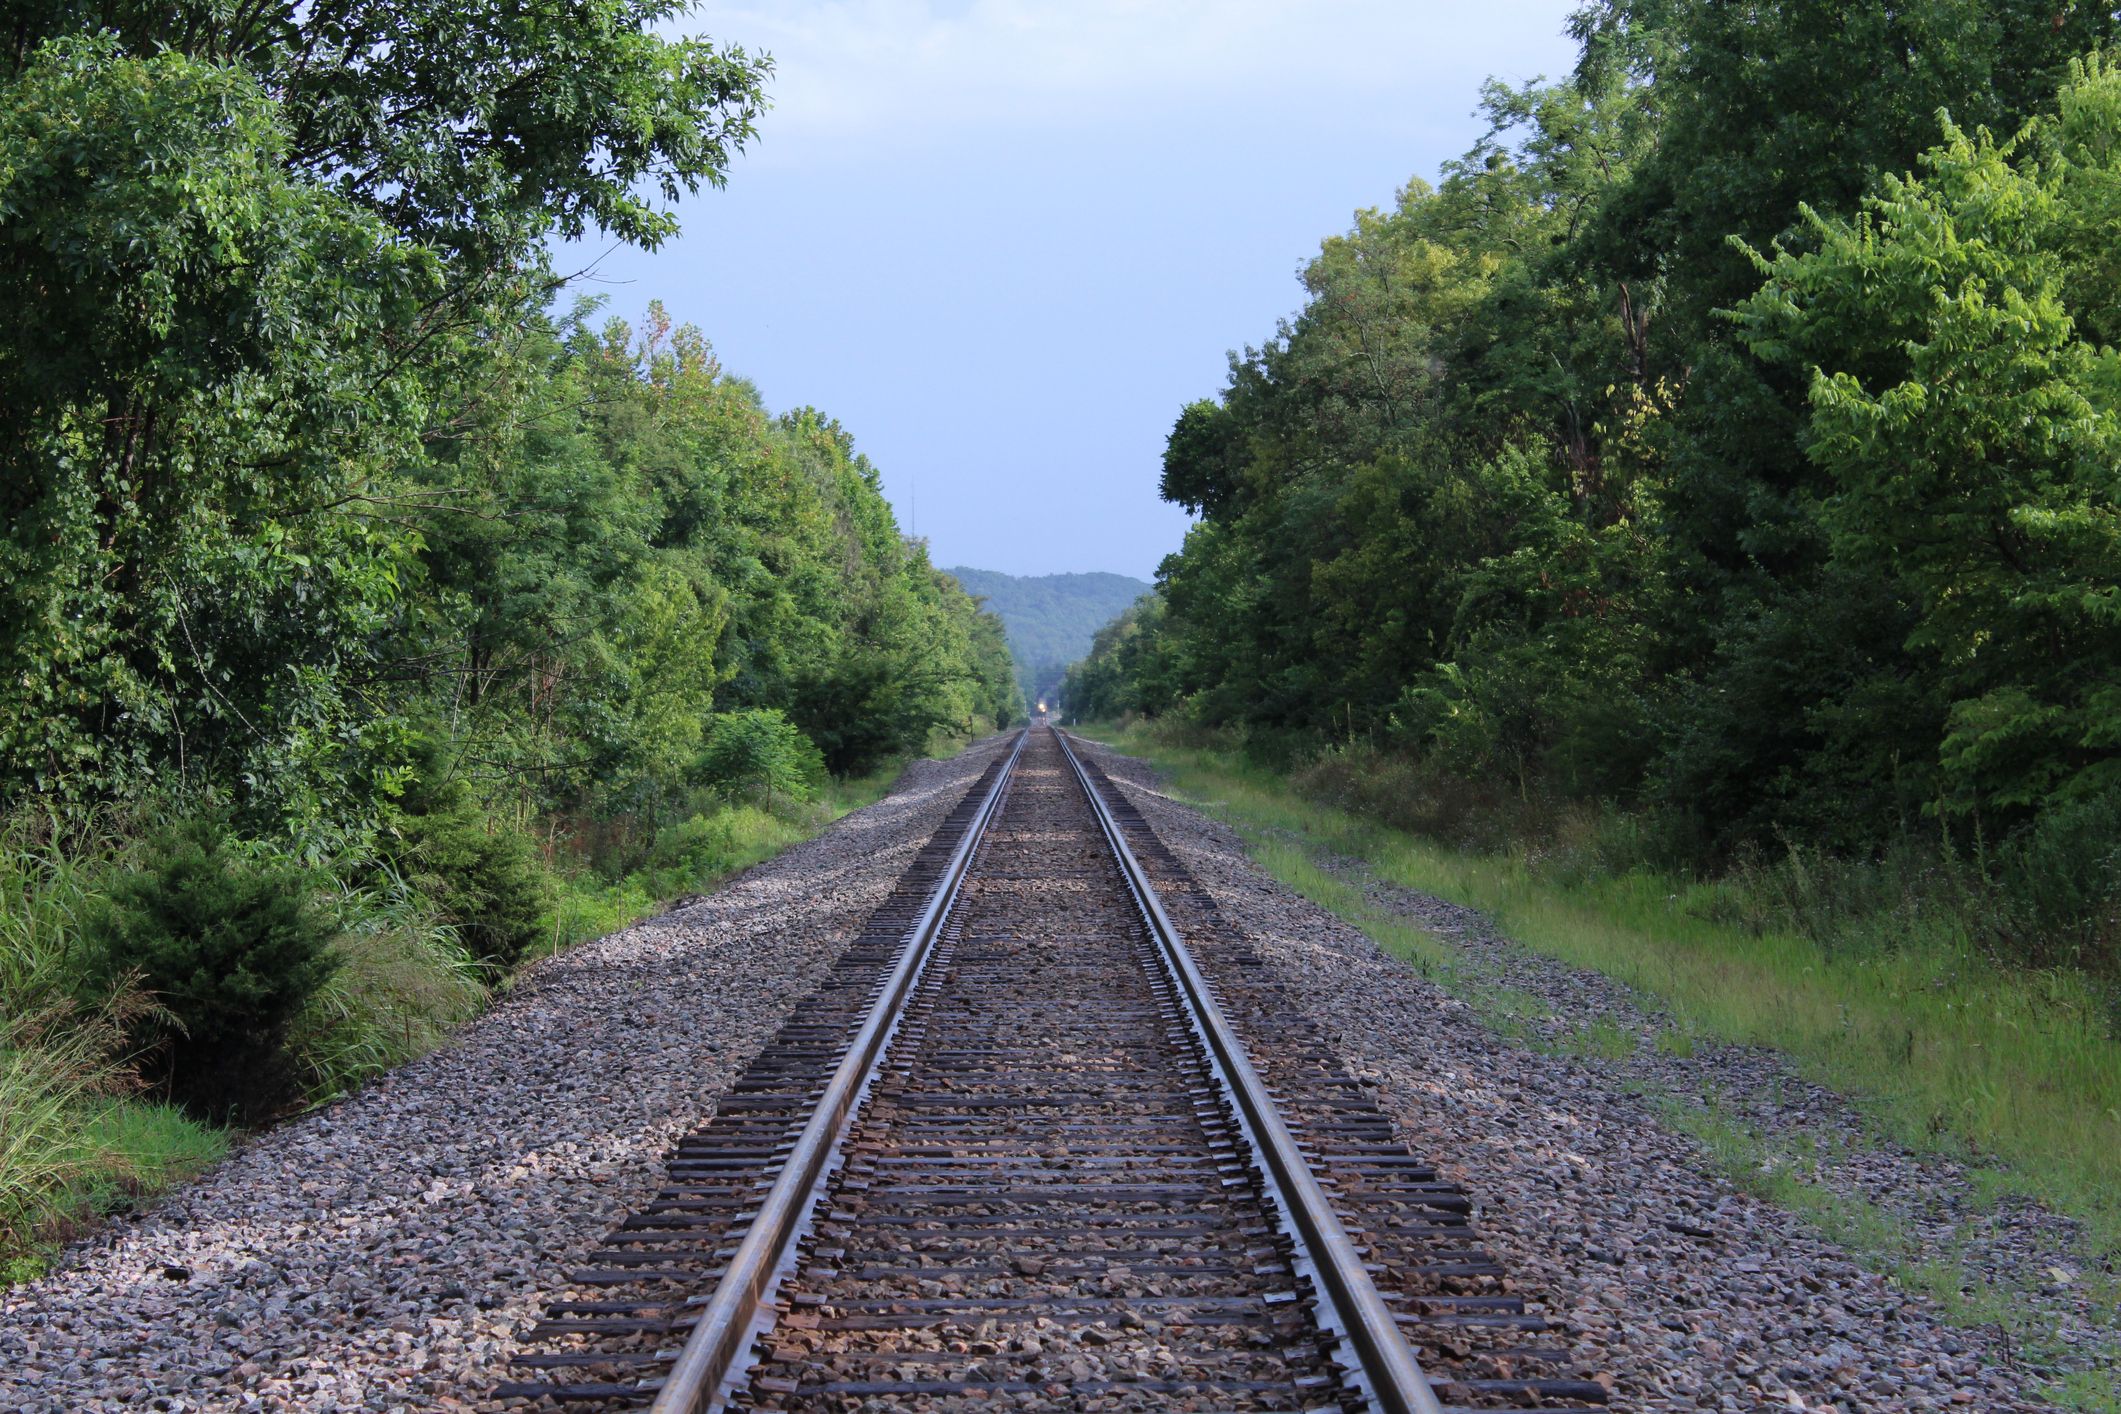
[
  {"x": 70, "y": 1152},
  {"x": 75, "y": 1142},
  {"x": 1941, "y": 1051},
  {"x": 404, "y": 981},
  {"x": 1601, "y": 1040},
  {"x": 1784, "y": 1169},
  {"x": 118, "y": 1153}
]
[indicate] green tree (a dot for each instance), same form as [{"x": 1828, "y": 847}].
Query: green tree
[
  {"x": 1969, "y": 433},
  {"x": 212, "y": 372}
]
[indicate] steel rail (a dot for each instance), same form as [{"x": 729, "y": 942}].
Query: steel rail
[
  {"x": 725, "y": 1324},
  {"x": 1393, "y": 1380}
]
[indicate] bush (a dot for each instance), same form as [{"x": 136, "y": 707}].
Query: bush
[
  {"x": 1409, "y": 793},
  {"x": 2064, "y": 878},
  {"x": 230, "y": 945},
  {"x": 758, "y": 754},
  {"x": 688, "y": 855},
  {"x": 485, "y": 876}
]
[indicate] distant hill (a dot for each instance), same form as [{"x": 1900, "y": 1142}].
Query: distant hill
[{"x": 1049, "y": 618}]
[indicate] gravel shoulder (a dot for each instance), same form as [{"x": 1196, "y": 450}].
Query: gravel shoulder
[
  {"x": 383, "y": 1253},
  {"x": 1692, "y": 1294}
]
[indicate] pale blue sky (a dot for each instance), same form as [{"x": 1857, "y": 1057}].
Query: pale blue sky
[{"x": 1005, "y": 242}]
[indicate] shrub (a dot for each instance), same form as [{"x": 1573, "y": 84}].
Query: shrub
[
  {"x": 1409, "y": 793},
  {"x": 758, "y": 753},
  {"x": 485, "y": 876},
  {"x": 229, "y": 943},
  {"x": 2063, "y": 877}
]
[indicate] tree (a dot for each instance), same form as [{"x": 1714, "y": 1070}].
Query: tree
[{"x": 1970, "y": 435}]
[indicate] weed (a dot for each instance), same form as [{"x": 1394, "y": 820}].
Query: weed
[
  {"x": 2088, "y": 1392},
  {"x": 1676, "y": 1043},
  {"x": 401, "y": 981},
  {"x": 1601, "y": 1040}
]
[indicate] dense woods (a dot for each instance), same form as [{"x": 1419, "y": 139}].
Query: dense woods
[
  {"x": 1727, "y": 443},
  {"x": 356, "y": 607}
]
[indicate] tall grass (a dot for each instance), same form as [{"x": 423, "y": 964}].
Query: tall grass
[
  {"x": 403, "y": 982},
  {"x": 55, "y": 1065},
  {"x": 1895, "y": 1003},
  {"x": 75, "y": 1135},
  {"x": 47, "y": 871}
]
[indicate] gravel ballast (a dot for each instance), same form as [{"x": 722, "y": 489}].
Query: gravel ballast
[
  {"x": 382, "y": 1254},
  {"x": 1691, "y": 1294}
]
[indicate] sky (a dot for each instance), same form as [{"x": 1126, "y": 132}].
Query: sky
[{"x": 1005, "y": 241}]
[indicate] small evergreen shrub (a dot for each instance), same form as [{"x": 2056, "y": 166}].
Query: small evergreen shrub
[
  {"x": 230, "y": 945},
  {"x": 485, "y": 876}
]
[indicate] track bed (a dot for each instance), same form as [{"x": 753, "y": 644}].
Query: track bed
[{"x": 1047, "y": 1195}]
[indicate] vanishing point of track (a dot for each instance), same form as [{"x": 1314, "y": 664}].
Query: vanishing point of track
[{"x": 1047, "y": 1137}]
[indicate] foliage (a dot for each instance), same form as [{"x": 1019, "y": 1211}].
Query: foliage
[
  {"x": 691, "y": 855},
  {"x": 217, "y": 344},
  {"x": 400, "y": 980},
  {"x": 758, "y": 754},
  {"x": 1730, "y": 436},
  {"x": 322, "y": 530},
  {"x": 266, "y": 270},
  {"x": 482, "y": 876},
  {"x": 50, "y": 876},
  {"x": 228, "y": 941},
  {"x": 1121, "y": 673},
  {"x": 1969, "y": 436}
]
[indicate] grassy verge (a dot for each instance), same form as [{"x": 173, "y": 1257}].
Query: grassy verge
[
  {"x": 699, "y": 854},
  {"x": 2019, "y": 1071},
  {"x": 73, "y": 1147}
]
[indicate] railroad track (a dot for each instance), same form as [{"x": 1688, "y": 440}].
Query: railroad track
[{"x": 1047, "y": 1137}]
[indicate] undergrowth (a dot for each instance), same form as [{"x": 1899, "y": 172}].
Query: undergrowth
[
  {"x": 696, "y": 854},
  {"x": 81, "y": 1132}
]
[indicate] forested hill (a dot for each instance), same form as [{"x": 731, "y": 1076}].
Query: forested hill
[{"x": 1050, "y": 618}]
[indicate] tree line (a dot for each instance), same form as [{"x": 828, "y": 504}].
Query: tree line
[
  {"x": 1731, "y": 437},
  {"x": 351, "y": 581}
]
